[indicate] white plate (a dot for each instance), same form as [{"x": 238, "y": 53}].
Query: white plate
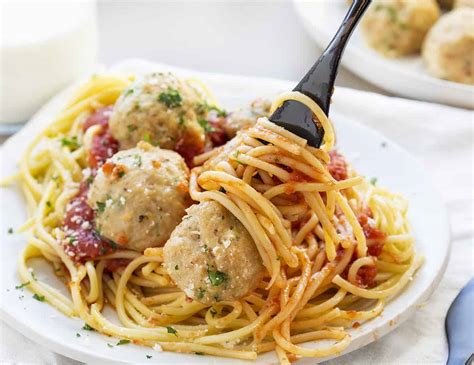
[
  {"x": 394, "y": 167},
  {"x": 406, "y": 76}
]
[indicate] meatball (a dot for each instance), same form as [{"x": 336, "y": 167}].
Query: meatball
[
  {"x": 246, "y": 117},
  {"x": 161, "y": 109},
  {"x": 211, "y": 256},
  {"x": 140, "y": 196},
  {"x": 449, "y": 47},
  {"x": 464, "y": 3},
  {"x": 397, "y": 27}
]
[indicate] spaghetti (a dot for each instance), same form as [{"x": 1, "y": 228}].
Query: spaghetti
[{"x": 335, "y": 247}]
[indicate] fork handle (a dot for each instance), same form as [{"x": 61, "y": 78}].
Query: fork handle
[{"x": 318, "y": 83}]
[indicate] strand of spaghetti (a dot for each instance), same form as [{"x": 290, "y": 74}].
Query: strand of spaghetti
[
  {"x": 283, "y": 132},
  {"x": 222, "y": 322},
  {"x": 209, "y": 350},
  {"x": 391, "y": 267},
  {"x": 352, "y": 219},
  {"x": 93, "y": 294},
  {"x": 268, "y": 235},
  {"x": 338, "y": 347},
  {"x": 264, "y": 245},
  {"x": 262, "y": 165},
  {"x": 120, "y": 294},
  {"x": 262, "y": 133},
  {"x": 313, "y": 285},
  {"x": 266, "y": 207},
  {"x": 51, "y": 295},
  {"x": 356, "y": 265},
  {"x": 379, "y": 294},
  {"x": 311, "y": 311},
  {"x": 295, "y": 165},
  {"x": 312, "y": 187},
  {"x": 364, "y": 315},
  {"x": 316, "y": 203},
  {"x": 292, "y": 302}
]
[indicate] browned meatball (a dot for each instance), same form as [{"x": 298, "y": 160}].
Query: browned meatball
[
  {"x": 140, "y": 196},
  {"x": 161, "y": 109},
  {"x": 211, "y": 256}
]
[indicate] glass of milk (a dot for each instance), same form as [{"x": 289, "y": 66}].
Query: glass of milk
[{"x": 45, "y": 46}]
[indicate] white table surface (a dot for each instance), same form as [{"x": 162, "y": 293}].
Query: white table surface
[{"x": 259, "y": 38}]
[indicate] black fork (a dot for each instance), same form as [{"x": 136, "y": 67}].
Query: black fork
[{"x": 318, "y": 83}]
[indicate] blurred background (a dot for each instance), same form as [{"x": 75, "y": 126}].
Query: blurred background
[
  {"x": 48, "y": 44},
  {"x": 256, "y": 38}
]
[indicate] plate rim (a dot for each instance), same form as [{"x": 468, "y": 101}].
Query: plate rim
[{"x": 377, "y": 332}]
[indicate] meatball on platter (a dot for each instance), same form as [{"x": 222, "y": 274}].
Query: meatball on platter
[{"x": 407, "y": 48}]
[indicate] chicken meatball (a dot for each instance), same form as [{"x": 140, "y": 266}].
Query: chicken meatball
[
  {"x": 397, "y": 27},
  {"x": 449, "y": 47},
  {"x": 161, "y": 109},
  {"x": 140, "y": 196},
  {"x": 246, "y": 117},
  {"x": 211, "y": 256}
]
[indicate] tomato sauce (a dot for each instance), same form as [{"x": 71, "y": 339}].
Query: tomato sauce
[
  {"x": 375, "y": 237},
  {"x": 298, "y": 176},
  {"x": 82, "y": 241},
  {"x": 366, "y": 276},
  {"x": 337, "y": 166}
]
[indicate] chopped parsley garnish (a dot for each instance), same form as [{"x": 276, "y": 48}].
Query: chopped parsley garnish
[
  {"x": 383, "y": 144},
  {"x": 132, "y": 127},
  {"x": 128, "y": 92},
  {"x": 10, "y": 230},
  {"x": 90, "y": 179},
  {"x": 201, "y": 293},
  {"x": 78, "y": 335},
  {"x": 70, "y": 142},
  {"x": 100, "y": 206},
  {"x": 205, "y": 125},
  {"x": 181, "y": 120},
  {"x": 171, "y": 98},
  {"x": 373, "y": 181},
  {"x": 122, "y": 342},
  {"x": 33, "y": 276},
  {"x": 39, "y": 298},
  {"x": 176, "y": 267},
  {"x": 217, "y": 277},
  {"x": 147, "y": 138},
  {"x": 172, "y": 330},
  {"x": 149, "y": 356},
  {"x": 86, "y": 327},
  {"x": 22, "y": 285},
  {"x": 121, "y": 173},
  {"x": 48, "y": 204},
  {"x": 141, "y": 218},
  {"x": 110, "y": 345}
]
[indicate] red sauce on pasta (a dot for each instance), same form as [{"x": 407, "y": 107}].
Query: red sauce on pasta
[
  {"x": 337, "y": 166},
  {"x": 82, "y": 241}
]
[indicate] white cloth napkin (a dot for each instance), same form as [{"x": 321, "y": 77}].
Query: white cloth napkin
[{"x": 442, "y": 138}]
